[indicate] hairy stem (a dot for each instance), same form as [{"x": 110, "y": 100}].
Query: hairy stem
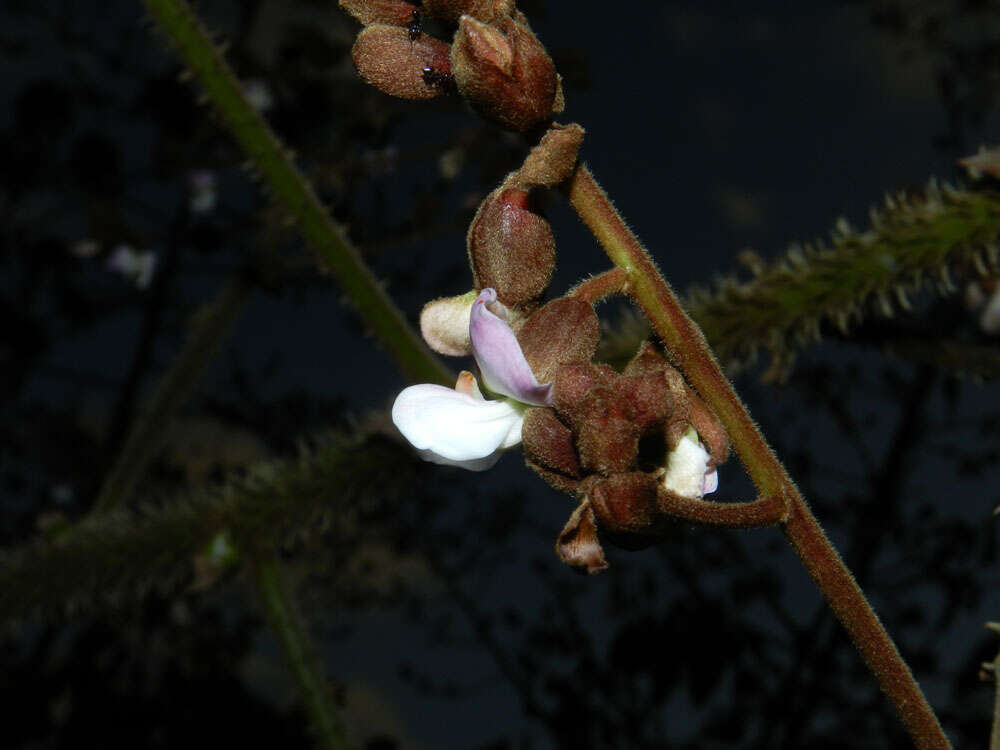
[
  {"x": 151, "y": 429},
  {"x": 600, "y": 287},
  {"x": 280, "y": 176},
  {"x": 766, "y": 511},
  {"x": 695, "y": 359},
  {"x": 287, "y": 624}
]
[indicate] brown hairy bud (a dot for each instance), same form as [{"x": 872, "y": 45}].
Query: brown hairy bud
[
  {"x": 607, "y": 439},
  {"x": 511, "y": 247},
  {"x": 392, "y": 12},
  {"x": 552, "y": 161},
  {"x": 625, "y": 503},
  {"x": 504, "y": 72},
  {"x": 578, "y": 545},
  {"x": 573, "y": 382},
  {"x": 486, "y": 11},
  {"x": 713, "y": 435},
  {"x": 647, "y": 359},
  {"x": 388, "y": 59},
  {"x": 564, "y": 330},
  {"x": 549, "y": 443}
]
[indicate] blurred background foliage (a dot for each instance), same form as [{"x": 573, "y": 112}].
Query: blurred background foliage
[{"x": 439, "y": 610}]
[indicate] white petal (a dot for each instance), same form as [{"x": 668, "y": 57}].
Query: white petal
[
  {"x": 686, "y": 468},
  {"x": 455, "y": 428},
  {"x": 710, "y": 483},
  {"x": 989, "y": 321}
]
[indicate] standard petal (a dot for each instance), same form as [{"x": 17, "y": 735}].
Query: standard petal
[
  {"x": 495, "y": 347},
  {"x": 687, "y": 465},
  {"x": 454, "y": 428}
]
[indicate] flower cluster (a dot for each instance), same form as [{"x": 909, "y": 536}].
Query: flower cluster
[
  {"x": 625, "y": 444},
  {"x": 494, "y": 60}
]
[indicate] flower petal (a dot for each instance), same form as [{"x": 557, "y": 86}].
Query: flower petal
[
  {"x": 456, "y": 429},
  {"x": 687, "y": 472},
  {"x": 495, "y": 347}
]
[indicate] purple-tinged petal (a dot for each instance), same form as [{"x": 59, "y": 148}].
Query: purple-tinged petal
[
  {"x": 500, "y": 359},
  {"x": 455, "y": 428}
]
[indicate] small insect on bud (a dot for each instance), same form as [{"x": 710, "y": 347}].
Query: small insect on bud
[
  {"x": 511, "y": 247},
  {"x": 396, "y": 64},
  {"x": 392, "y": 12},
  {"x": 504, "y": 72}
]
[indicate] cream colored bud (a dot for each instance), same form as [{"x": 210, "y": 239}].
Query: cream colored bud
[{"x": 444, "y": 324}]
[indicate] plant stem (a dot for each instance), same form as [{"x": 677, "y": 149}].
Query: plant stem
[
  {"x": 288, "y": 626},
  {"x": 150, "y": 430},
  {"x": 695, "y": 359},
  {"x": 598, "y": 288},
  {"x": 277, "y": 171},
  {"x": 766, "y": 511}
]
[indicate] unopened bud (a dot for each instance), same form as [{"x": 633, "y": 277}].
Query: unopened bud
[
  {"x": 625, "y": 503},
  {"x": 710, "y": 430},
  {"x": 486, "y": 11},
  {"x": 504, "y": 72},
  {"x": 549, "y": 443},
  {"x": 388, "y": 59},
  {"x": 392, "y": 12},
  {"x": 606, "y": 438},
  {"x": 444, "y": 324},
  {"x": 564, "y": 330},
  {"x": 551, "y": 162},
  {"x": 511, "y": 247}
]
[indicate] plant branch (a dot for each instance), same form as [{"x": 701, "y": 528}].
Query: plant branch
[
  {"x": 287, "y": 624},
  {"x": 598, "y": 288},
  {"x": 150, "y": 430},
  {"x": 695, "y": 359},
  {"x": 765, "y": 511},
  {"x": 276, "y": 169}
]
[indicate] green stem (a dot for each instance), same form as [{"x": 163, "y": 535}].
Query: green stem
[
  {"x": 694, "y": 357},
  {"x": 287, "y": 624},
  {"x": 276, "y": 169},
  {"x": 151, "y": 429}
]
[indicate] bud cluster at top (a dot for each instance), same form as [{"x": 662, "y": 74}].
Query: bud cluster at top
[{"x": 494, "y": 60}]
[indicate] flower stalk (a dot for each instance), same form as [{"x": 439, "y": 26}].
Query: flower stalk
[
  {"x": 274, "y": 165},
  {"x": 695, "y": 359}
]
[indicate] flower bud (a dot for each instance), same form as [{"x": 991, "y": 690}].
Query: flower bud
[
  {"x": 511, "y": 247},
  {"x": 549, "y": 443},
  {"x": 486, "y": 11},
  {"x": 571, "y": 384},
  {"x": 625, "y": 503},
  {"x": 504, "y": 72},
  {"x": 564, "y": 330},
  {"x": 709, "y": 429},
  {"x": 388, "y": 59},
  {"x": 392, "y": 12},
  {"x": 606, "y": 438},
  {"x": 444, "y": 324},
  {"x": 552, "y": 161}
]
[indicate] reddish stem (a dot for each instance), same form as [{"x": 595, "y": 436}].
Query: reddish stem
[
  {"x": 695, "y": 359},
  {"x": 600, "y": 287},
  {"x": 766, "y": 511}
]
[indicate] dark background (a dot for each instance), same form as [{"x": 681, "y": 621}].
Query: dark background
[{"x": 449, "y": 622}]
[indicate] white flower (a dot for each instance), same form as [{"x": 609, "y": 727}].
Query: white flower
[
  {"x": 136, "y": 266},
  {"x": 459, "y": 427},
  {"x": 202, "y": 194},
  {"x": 687, "y": 472}
]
